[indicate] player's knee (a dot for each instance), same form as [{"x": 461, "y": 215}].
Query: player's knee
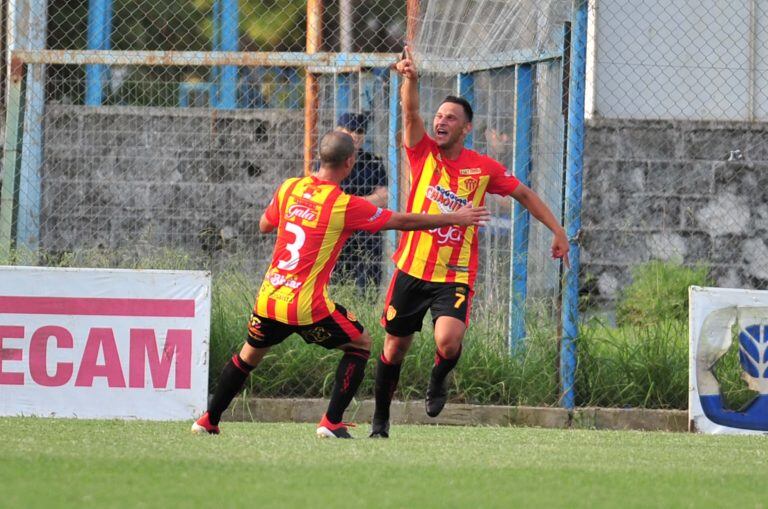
[
  {"x": 363, "y": 342},
  {"x": 395, "y": 348},
  {"x": 449, "y": 350},
  {"x": 448, "y": 343}
]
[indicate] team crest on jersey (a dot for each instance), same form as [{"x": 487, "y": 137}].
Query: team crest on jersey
[
  {"x": 391, "y": 313},
  {"x": 446, "y": 200},
  {"x": 470, "y": 184},
  {"x": 470, "y": 171}
]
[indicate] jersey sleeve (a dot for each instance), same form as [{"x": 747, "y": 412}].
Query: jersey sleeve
[
  {"x": 417, "y": 155},
  {"x": 500, "y": 183},
  {"x": 273, "y": 209},
  {"x": 364, "y": 215}
]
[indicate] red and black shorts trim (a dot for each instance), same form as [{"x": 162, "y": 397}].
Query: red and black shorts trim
[
  {"x": 337, "y": 329},
  {"x": 409, "y": 298}
]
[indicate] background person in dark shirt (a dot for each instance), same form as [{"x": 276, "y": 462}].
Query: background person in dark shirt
[{"x": 361, "y": 258}]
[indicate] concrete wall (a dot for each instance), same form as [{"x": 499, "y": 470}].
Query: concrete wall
[
  {"x": 195, "y": 179},
  {"x": 691, "y": 191},
  {"x": 198, "y": 180}
]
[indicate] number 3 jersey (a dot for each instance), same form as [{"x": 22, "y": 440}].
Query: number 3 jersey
[
  {"x": 313, "y": 218},
  {"x": 440, "y": 185}
]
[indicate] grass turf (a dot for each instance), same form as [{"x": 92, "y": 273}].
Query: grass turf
[{"x": 72, "y": 463}]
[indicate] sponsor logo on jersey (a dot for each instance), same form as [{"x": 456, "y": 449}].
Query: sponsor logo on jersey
[
  {"x": 277, "y": 279},
  {"x": 447, "y": 201},
  {"x": 470, "y": 171},
  {"x": 374, "y": 217},
  {"x": 300, "y": 211},
  {"x": 316, "y": 335},
  {"x": 447, "y": 235}
]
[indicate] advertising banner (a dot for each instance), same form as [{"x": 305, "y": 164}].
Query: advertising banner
[
  {"x": 104, "y": 343},
  {"x": 720, "y": 317}
]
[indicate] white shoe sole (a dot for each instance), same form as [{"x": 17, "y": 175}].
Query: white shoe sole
[
  {"x": 200, "y": 430},
  {"x": 323, "y": 432}
]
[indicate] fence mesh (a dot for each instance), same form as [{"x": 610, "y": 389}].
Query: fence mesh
[{"x": 143, "y": 164}]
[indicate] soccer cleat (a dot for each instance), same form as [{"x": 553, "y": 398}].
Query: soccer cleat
[
  {"x": 379, "y": 429},
  {"x": 437, "y": 395},
  {"x": 326, "y": 429},
  {"x": 203, "y": 426}
]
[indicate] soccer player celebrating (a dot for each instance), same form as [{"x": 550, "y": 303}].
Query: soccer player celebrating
[
  {"x": 313, "y": 219},
  {"x": 436, "y": 269}
]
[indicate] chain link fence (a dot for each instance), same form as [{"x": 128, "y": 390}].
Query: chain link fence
[
  {"x": 164, "y": 145},
  {"x": 675, "y": 161}
]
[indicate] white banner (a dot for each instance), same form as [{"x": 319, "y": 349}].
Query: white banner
[
  {"x": 718, "y": 317},
  {"x": 104, "y": 343}
]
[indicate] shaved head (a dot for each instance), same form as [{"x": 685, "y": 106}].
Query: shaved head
[{"x": 335, "y": 148}]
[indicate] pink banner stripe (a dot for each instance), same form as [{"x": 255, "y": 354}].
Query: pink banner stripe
[{"x": 175, "y": 308}]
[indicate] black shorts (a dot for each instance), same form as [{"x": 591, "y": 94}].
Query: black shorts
[
  {"x": 409, "y": 298},
  {"x": 339, "y": 328}
]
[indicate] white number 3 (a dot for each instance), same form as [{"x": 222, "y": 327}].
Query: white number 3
[{"x": 293, "y": 247}]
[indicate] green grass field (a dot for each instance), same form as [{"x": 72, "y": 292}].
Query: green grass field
[{"x": 55, "y": 463}]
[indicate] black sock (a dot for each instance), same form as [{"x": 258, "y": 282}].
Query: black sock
[
  {"x": 349, "y": 375},
  {"x": 231, "y": 380},
  {"x": 443, "y": 366},
  {"x": 387, "y": 376}
]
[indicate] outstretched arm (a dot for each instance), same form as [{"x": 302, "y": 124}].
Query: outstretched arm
[
  {"x": 413, "y": 124},
  {"x": 531, "y": 201},
  {"x": 465, "y": 216}
]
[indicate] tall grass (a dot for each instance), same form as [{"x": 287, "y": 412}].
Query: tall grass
[{"x": 640, "y": 362}]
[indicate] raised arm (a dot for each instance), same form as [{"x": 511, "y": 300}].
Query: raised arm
[
  {"x": 413, "y": 124},
  {"x": 465, "y": 216}
]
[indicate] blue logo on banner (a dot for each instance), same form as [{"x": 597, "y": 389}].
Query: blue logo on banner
[{"x": 753, "y": 356}]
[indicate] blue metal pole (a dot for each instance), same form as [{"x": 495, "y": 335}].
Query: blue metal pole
[
  {"x": 466, "y": 89},
  {"x": 393, "y": 162},
  {"x": 229, "y": 42},
  {"x": 524, "y": 95},
  {"x": 30, "y": 185},
  {"x": 295, "y": 83},
  {"x": 99, "y": 32},
  {"x": 216, "y": 46},
  {"x": 342, "y": 94},
  {"x": 574, "y": 170}
]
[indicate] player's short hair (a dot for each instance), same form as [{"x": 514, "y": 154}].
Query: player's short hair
[
  {"x": 335, "y": 148},
  {"x": 460, "y": 101}
]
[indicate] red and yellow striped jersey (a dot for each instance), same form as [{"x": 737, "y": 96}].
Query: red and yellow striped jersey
[
  {"x": 440, "y": 185},
  {"x": 313, "y": 218}
]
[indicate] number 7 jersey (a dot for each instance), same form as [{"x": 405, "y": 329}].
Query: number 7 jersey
[
  {"x": 438, "y": 186},
  {"x": 314, "y": 219}
]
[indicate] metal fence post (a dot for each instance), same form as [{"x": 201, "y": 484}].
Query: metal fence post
[
  {"x": 99, "y": 37},
  {"x": 574, "y": 170},
  {"x": 225, "y": 38},
  {"x": 10, "y": 157},
  {"x": 393, "y": 162},
  {"x": 524, "y": 95},
  {"x": 465, "y": 87}
]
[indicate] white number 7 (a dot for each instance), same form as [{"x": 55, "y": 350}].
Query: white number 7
[{"x": 293, "y": 247}]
